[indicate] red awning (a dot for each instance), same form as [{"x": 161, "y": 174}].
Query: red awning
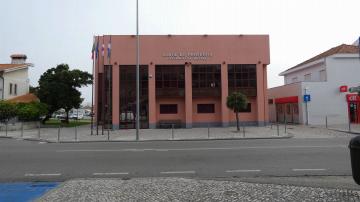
[{"x": 292, "y": 99}]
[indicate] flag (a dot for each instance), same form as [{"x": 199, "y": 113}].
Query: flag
[
  {"x": 102, "y": 49},
  {"x": 97, "y": 49},
  {"x": 109, "y": 49},
  {"x": 93, "y": 50}
]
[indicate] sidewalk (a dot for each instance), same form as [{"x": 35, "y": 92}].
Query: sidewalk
[
  {"x": 83, "y": 134},
  {"x": 353, "y": 128},
  {"x": 181, "y": 189}
]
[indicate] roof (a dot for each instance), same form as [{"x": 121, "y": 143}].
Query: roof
[
  {"x": 18, "y": 56},
  {"x": 12, "y": 66},
  {"x": 342, "y": 49},
  {"x": 24, "y": 98}
]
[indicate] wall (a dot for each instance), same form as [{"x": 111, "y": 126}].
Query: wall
[
  {"x": 181, "y": 109},
  {"x": 19, "y": 77},
  {"x": 250, "y": 118},
  {"x": 314, "y": 70},
  {"x": 205, "y": 118}
]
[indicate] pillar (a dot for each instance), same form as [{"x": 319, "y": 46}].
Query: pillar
[
  {"x": 188, "y": 96},
  {"x": 152, "y": 96},
  {"x": 224, "y": 95},
  {"x": 266, "y": 112},
  {"x": 260, "y": 98},
  {"x": 115, "y": 97}
]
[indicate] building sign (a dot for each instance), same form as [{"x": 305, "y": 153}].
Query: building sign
[
  {"x": 343, "y": 89},
  {"x": 307, "y": 98},
  {"x": 187, "y": 55},
  {"x": 352, "y": 98}
]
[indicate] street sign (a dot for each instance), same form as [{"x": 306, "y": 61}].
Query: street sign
[
  {"x": 354, "y": 89},
  {"x": 307, "y": 98}
]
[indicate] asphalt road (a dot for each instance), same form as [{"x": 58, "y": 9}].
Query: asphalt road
[{"x": 34, "y": 161}]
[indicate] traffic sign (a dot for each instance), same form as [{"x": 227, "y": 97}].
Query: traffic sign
[
  {"x": 354, "y": 89},
  {"x": 307, "y": 98}
]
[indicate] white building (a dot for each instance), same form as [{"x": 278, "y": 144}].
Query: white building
[
  {"x": 14, "y": 79},
  {"x": 326, "y": 78}
]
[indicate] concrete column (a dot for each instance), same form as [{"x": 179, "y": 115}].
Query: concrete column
[
  {"x": 266, "y": 112},
  {"x": 152, "y": 97},
  {"x": 115, "y": 96},
  {"x": 260, "y": 98},
  {"x": 188, "y": 96},
  {"x": 224, "y": 94}
]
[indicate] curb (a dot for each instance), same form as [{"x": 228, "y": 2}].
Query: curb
[{"x": 345, "y": 131}]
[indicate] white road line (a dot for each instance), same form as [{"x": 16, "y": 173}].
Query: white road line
[
  {"x": 41, "y": 174},
  {"x": 178, "y": 172},
  {"x": 308, "y": 169},
  {"x": 241, "y": 171},
  {"x": 199, "y": 149},
  {"x": 110, "y": 173}
]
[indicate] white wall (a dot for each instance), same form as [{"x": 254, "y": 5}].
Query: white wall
[
  {"x": 19, "y": 77},
  {"x": 313, "y": 70}
]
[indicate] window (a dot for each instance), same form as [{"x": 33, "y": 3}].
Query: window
[
  {"x": 307, "y": 77},
  {"x": 322, "y": 75},
  {"x": 248, "y": 108},
  {"x": 242, "y": 77},
  {"x": 15, "y": 89},
  {"x": 295, "y": 79},
  {"x": 205, "y": 108},
  {"x": 168, "y": 109},
  {"x": 169, "y": 76},
  {"x": 10, "y": 89},
  {"x": 271, "y": 101},
  {"x": 206, "y": 76}
]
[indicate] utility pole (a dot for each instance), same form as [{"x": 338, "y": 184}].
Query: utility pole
[
  {"x": 306, "y": 109},
  {"x": 137, "y": 72}
]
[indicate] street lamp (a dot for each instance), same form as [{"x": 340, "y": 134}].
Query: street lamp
[{"x": 137, "y": 72}]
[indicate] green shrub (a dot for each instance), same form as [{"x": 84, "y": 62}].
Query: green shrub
[
  {"x": 31, "y": 111},
  {"x": 7, "y": 111}
]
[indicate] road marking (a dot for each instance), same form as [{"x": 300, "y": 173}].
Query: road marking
[
  {"x": 199, "y": 149},
  {"x": 178, "y": 172},
  {"x": 308, "y": 169},
  {"x": 110, "y": 173},
  {"x": 241, "y": 171},
  {"x": 41, "y": 174}
]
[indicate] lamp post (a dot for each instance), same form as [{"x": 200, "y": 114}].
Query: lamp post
[{"x": 137, "y": 72}]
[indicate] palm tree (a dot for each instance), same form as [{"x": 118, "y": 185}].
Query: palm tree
[{"x": 237, "y": 102}]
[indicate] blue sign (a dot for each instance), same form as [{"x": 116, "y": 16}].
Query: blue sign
[{"x": 307, "y": 98}]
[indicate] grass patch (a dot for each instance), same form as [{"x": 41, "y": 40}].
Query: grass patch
[{"x": 72, "y": 123}]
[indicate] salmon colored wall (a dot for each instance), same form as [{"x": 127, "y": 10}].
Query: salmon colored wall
[
  {"x": 208, "y": 117},
  {"x": 181, "y": 109},
  {"x": 245, "y": 116}
]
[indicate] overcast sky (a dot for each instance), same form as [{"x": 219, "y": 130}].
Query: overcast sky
[{"x": 51, "y": 32}]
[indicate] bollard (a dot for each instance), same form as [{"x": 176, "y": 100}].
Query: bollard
[
  {"x": 271, "y": 125},
  {"x": 6, "y": 128},
  {"x": 108, "y": 134},
  {"x": 326, "y": 122},
  {"x": 58, "y": 137},
  {"x": 243, "y": 130},
  {"x": 97, "y": 129},
  {"x": 277, "y": 128},
  {"x": 39, "y": 130},
  {"x": 22, "y": 130},
  {"x": 172, "y": 131},
  {"x": 285, "y": 126},
  {"x": 349, "y": 126},
  {"x": 102, "y": 129},
  {"x": 75, "y": 133},
  {"x": 208, "y": 131}
]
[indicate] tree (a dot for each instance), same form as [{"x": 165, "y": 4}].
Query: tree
[
  {"x": 58, "y": 88},
  {"x": 7, "y": 111},
  {"x": 237, "y": 102},
  {"x": 31, "y": 111}
]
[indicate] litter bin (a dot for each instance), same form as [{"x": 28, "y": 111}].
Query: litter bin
[{"x": 354, "y": 147}]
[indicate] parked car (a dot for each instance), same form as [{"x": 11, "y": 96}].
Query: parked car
[{"x": 76, "y": 116}]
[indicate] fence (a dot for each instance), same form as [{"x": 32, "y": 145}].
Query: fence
[{"x": 83, "y": 133}]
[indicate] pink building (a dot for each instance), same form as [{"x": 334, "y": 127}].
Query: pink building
[{"x": 184, "y": 79}]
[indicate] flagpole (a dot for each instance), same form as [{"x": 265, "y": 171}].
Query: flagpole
[
  {"x": 137, "y": 73},
  {"x": 92, "y": 89}
]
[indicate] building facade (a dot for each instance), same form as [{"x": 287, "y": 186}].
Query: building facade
[
  {"x": 326, "y": 78},
  {"x": 184, "y": 79},
  {"x": 14, "y": 78}
]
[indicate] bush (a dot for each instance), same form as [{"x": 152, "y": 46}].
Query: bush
[
  {"x": 7, "y": 111},
  {"x": 32, "y": 111}
]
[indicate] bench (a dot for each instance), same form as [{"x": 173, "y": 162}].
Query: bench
[{"x": 169, "y": 123}]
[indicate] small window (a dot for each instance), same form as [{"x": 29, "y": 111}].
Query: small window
[
  {"x": 271, "y": 101},
  {"x": 15, "y": 89},
  {"x": 10, "y": 89},
  {"x": 248, "y": 108},
  {"x": 168, "y": 109},
  {"x": 205, "y": 108}
]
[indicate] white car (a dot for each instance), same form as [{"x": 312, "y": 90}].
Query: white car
[{"x": 76, "y": 116}]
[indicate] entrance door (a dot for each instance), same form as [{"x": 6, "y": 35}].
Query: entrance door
[{"x": 354, "y": 112}]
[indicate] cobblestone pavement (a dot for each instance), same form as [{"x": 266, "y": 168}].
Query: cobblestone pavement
[{"x": 180, "y": 189}]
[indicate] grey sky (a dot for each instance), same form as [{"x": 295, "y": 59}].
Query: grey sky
[{"x": 51, "y": 32}]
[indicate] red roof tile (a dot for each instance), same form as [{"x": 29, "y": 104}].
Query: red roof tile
[
  {"x": 24, "y": 98},
  {"x": 343, "y": 48},
  {"x": 10, "y": 66}
]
